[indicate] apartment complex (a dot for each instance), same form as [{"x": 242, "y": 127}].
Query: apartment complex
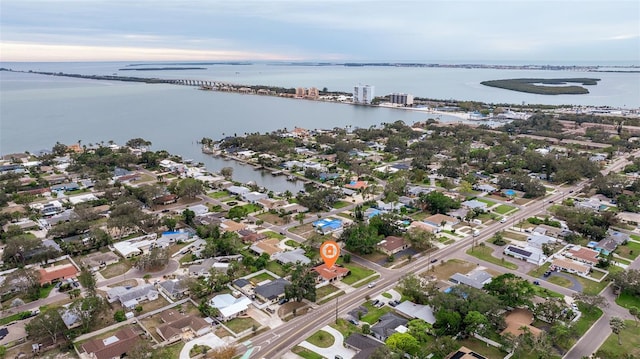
[
  {"x": 401, "y": 99},
  {"x": 363, "y": 94},
  {"x": 311, "y": 92}
]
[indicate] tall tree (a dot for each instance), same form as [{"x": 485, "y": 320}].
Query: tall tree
[
  {"x": 303, "y": 284},
  {"x": 88, "y": 310},
  {"x": 633, "y": 310},
  {"x": 47, "y": 325},
  {"x": 190, "y": 188},
  {"x": 87, "y": 280},
  {"x": 512, "y": 290},
  {"x": 403, "y": 342},
  {"x": 617, "y": 326}
]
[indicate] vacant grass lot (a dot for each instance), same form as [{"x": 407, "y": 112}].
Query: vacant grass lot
[
  {"x": 630, "y": 338},
  {"x": 218, "y": 195},
  {"x": 444, "y": 271},
  {"x": 325, "y": 291},
  {"x": 340, "y": 204},
  {"x": 485, "y": 253},
  {"x": 358, "y": 272},
  {"x": 489, "y": 203},
  {"x": 561, "y": 281},
  {"x": 503, "y": 209},
  {"x": 238, "y": 325}
]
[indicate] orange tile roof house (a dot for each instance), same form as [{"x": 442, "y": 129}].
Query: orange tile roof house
[
  {"x": 57, "y": 273},
  {"x": 392, "y": 245},
  {"x": 585, "y": 255},
  {"x": 356, "y": 184},
  {"x": 331, "y": 274},
  {"x": 268, "y": 246},
  {"x": 112, "y": 347},
  {"x": 570, "y": 266}
]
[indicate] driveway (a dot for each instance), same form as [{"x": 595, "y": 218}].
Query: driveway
[
  {"x": 210, "y": 340},
  {"x": 576, "y": 286},
  {"x": 336, "y": 349}
]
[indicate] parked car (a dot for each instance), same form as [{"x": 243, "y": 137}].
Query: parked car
[
  {"x": 434, "y": 260},
  {"x": 282, "y": 301},
  {"x": 270, "y": 310},
  {"x": 547, "y": 273},
  {"x": 375, "y": 302},
  {"x": 353, "y": 321},
  {"x": 536, "y": 282}
]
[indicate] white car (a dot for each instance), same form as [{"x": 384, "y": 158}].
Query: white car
[
  {"x": 503, "y": 220},
  {"x": 372, "y": 284}
]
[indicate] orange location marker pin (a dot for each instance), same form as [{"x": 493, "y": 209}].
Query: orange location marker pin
[{"x": 329, "y": 251}]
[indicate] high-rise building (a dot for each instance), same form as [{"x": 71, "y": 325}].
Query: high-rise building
[
  {"x": 401, "y": 98},
  {"x": 363, "y": 94}
]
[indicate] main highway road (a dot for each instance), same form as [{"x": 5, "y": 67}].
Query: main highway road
[{"x": 275, "y": 342}]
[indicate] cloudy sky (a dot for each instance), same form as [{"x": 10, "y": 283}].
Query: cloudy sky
[{"x": 320, "y": 30}]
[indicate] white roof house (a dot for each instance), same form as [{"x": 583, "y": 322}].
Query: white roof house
[
  {"x": 416, "y": 311},
  {"x": 129, "y": 249},
  {"x": 230, "y": 306}
]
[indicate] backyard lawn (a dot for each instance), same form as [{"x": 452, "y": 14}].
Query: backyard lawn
[
  {"x": 340, "y": 204},
  {"x": 630, "y": 338},
  {"x": 275, "y": 268},
  {"x": 374, "y": 313},
  {"x": 488, "y": 351},
  {"x": 321, "y": 339},
  {"x": 489, "y": 203},
  {"x": 262, "y": 277},
  {"x": 485, "y": 253}
]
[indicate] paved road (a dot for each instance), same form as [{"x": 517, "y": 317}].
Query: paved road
[{"x": 277, "y": 341}]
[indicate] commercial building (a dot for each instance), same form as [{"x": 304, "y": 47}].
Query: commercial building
[{"x": 363, "y": 94}]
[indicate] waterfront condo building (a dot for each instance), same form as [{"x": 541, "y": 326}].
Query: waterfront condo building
[
  {"x": 401, "y": 99},
  {"x": 363, "y": 94},
  {"x": 312, "y": 92}
]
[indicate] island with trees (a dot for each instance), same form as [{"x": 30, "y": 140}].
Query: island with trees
[{"x": 537, "y": 86}]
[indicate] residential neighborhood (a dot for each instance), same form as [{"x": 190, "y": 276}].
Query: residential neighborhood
[{"x": 448, "y": 249}]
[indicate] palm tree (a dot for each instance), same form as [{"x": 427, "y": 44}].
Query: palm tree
[{"x": 617, "y": 325}]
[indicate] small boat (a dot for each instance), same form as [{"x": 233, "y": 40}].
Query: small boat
[{"x": 291, "y": 178}]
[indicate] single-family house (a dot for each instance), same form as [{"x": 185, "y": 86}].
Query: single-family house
[
  {"x": 130, "y": 297},
  {"x": 165, "y": 199},
  {"x": 391, "y": 206},
  {"x": 441, "y": 221},
  {"x": 582, "y": 254},
  {"x": 606, "y": 246},
  {"x": 363, "y": 345},
  {"x": 416, "y": 311},
  {"x": 356, "y": 185},
  {"x": 326, "y": 274},
  {"x": 619, "y": 237},
  {"x": 231, "y": 226},
  {"x": 539, "y": 240},
  {"x": 530, "y": 254},
  {"x": 571, "y": 266},
  {"x": 178, "y": 326},
  {"x": 229, "y": 306},
  {"x": 548, "y": 230},
  {"x": 97, "y": 260},
  {"x": 387, "y": 325},
  {"x": 294, "y": 256},
  {"x": 485, "y": 188},
  {"x": 174, "y": 288},
  {"x": 243, "y": 285},
  {"x": 473, "y": 204},
  {"x": 464, "y": 353},
  {"x": 114, "y": 346},
  {"x": 272, "y": 291},
  {"x": 238, "y": 190},
  {"x": 629, "y": 218},
  {"x": 392, "y": 245},
  {"x": 423, "y": 226},
  {"x": 254, "y": 197},
  {"x": 415, "y": 191},
  {"x": 269, "y": 246},
  {"x": 57, "y": 273},
  {"x": 327, "y": 225},
  {"x": 476, "y": 279},
  {"x": 201, "y": 269},
  {"x": 591, "y": 204}
]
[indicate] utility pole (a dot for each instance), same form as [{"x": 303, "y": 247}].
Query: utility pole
[{"x": 336, "y": 310}]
